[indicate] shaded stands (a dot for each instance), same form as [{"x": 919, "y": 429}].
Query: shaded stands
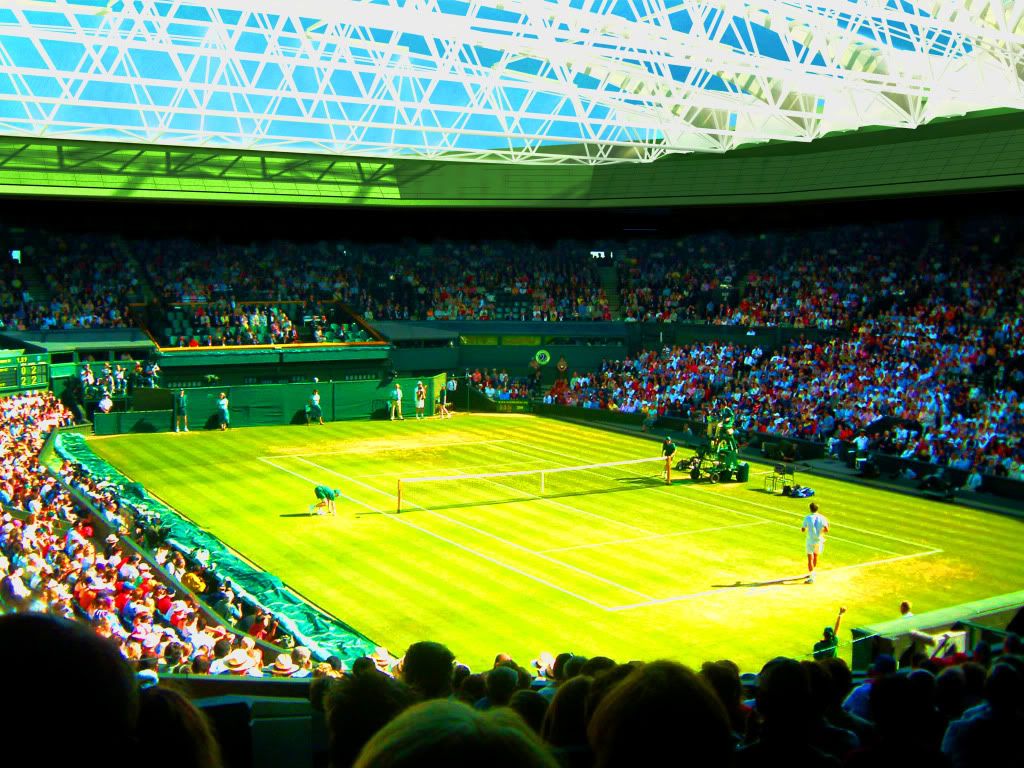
[
  {"x": 69, "y": 349},
  {"x": 182, "y": 328},
  {"x": 84, "y": 344},
  {"x": 220, "y": 323},
  {"x": 461, "y": 345}
]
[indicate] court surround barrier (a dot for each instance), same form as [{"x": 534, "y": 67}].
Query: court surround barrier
[
  {"x": 324, "y": 635},
  {"x": 962, "y": 624},
  {"x": 261, "y": 405},
  {"x": 779, "y": 447}
]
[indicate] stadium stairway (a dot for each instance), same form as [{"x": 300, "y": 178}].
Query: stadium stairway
[
  {"x": 35, "y": 283},
  {"x": 609, "y": 277}
]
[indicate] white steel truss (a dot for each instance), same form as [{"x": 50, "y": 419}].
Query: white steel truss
[{"x": 524, "y": 81}]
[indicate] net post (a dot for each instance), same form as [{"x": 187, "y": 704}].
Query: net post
[
  {"x": 398, "y": 496},
  {"x": 668, "y": 470}
]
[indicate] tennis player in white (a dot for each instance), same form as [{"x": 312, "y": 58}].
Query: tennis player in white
[{"x": 816, "y": 526}]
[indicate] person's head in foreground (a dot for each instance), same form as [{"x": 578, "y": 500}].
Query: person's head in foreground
[
  {"x": 454, "y": 735},
  {"x": 661, "y": 714}
]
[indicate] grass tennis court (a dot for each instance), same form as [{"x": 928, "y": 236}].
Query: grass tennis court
[{"x": 633, "y": 569}]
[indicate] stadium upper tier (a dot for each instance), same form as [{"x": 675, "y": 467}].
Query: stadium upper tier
[
  {"x": 512, "y": 82},
  {"x": 833, "y": 277}
]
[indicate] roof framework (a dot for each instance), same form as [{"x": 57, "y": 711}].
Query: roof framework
[{"x": 511, "y": 81}]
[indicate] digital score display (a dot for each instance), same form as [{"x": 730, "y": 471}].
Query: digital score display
[{"x": 25, "y": 372}]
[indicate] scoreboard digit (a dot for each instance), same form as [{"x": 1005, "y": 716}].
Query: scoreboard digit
[{"x": 24, "y": 372}]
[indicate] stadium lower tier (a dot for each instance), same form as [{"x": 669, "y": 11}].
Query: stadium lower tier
[{"x": 623, "y": 565}]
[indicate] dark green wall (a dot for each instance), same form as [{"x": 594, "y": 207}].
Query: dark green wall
[{"x": 266, "y": 404}]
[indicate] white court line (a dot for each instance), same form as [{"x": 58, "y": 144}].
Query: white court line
[
  {"x": 389, "y": 448},
  {"x": 555, "y": 502},
  {"x": 568, "y": 506},
  {"x": 651, "y": 537},
  {"x": 706, "y": 592},
  {"x": 758, "y": 504},
  {"x": 413, "y": 472},
  {"x": 773, "y": 509},
  {"x": 438, "y": 536},
  {"x": 512, "y": 544}
]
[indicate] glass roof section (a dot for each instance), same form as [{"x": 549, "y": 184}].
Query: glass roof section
[{"x": 523, "y": 81}]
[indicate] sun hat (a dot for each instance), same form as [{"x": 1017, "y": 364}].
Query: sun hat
[
  {"x": 284, "y": 666},
  {"x": 238, "y": 661}
]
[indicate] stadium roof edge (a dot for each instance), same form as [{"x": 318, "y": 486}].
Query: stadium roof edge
[{"x": 977, "y": 152}]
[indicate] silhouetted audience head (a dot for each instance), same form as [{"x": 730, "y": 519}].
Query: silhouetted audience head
[
  {"x": 565, "y": 724},
  {"x": 173, "y": 733},
  {"x": 1003, "y": 689},
  {"x": 427, "y": 669},
  {"x": 784, "y": 694},
  {"x": 502, "y": 682},
  {"x": 724, "y": 679},
  {"x": 452, "y": 734},
  {"x": 50, "y": 656},
  {"x": 359, "y": 706},
  {"x": 596, "y": 665},
  {"x": 472, "y": 689},
  {"x": 603, "y": 683},
  {"x": 364, "y": 665},
  {"x": 662, "y": 714},
  {"x": 840, "y": 681},
  {"x": 531, "y": 706},
  {"x": 895, "y": 708}
]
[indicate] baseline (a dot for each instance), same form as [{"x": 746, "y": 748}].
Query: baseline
[
  {"x": 715, "y": 590},
  {"x": 397, "y": 446}
]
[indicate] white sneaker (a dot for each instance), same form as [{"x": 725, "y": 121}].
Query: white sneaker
[
  {"x": 176, "y": 429},
  {"x": 810, "y": 579},
  {"x": 186, "y": 429}
]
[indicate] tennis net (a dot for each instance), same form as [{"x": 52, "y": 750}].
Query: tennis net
[{"x": 466, "y": 490}]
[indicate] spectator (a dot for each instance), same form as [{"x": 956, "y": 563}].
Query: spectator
[
  {"x": 662, "y": 714},
  {"x": 784, "y": 703},
  {"x": 565, "y": 724},
  {"x": 53, "y": 655},
  {"x": 991, "y": 732},
  {"x": 452, "y": 734},
  {"x": 173, "y": 733},
  {"x": 531, "y": 707},
  {"x": 357, "y": 707},
  {"x": 427, "y": 669}
]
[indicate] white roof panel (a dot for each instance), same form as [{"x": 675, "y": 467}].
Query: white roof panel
[{"x": 528, "y": 81}]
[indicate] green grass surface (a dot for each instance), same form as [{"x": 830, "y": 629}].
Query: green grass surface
[{"x": 637, "y": 572}]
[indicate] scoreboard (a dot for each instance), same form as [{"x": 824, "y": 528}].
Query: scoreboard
[{"x": 24, "y": 372}]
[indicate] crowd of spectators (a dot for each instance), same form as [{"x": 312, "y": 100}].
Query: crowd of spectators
[
  {"x": 945, "y": 394},
  {"x": 96, "y": 600},
  {"x": 959, "y": 711},
  {"x": 223, "y": 322},
  {"x": 53, "y": 560},
  {"x": 86, "y": 281},
  {"x": 499, "y": 385},
  {"x": 832, "y": 277}
]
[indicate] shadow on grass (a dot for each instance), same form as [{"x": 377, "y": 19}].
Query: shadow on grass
[{"x": 788, "y": 581}]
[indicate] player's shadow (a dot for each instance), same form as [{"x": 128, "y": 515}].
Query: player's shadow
[
  {"x": 299, "y": 514},
  {"x": 788, "y": 581}
]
